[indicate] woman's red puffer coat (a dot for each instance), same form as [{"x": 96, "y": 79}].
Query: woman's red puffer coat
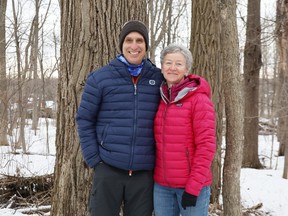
[{"x": 185, "y": 135}]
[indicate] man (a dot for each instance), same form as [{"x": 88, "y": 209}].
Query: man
[{"x": 115, "y": 126}]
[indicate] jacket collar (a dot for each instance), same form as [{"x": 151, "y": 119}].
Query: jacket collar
[{"x": 178, "y": 91}]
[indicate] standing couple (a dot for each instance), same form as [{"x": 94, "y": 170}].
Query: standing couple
[{"x": 150, "y": 139}]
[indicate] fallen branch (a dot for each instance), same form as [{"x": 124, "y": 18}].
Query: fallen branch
[
  {"x": 22, "y": 192},
  {"x": 36, "y": 210}
]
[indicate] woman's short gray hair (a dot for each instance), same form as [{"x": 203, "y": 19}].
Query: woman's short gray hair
[{"x": 177, "y": 48}]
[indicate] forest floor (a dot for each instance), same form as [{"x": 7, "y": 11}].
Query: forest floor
[{"x": 32, "y": 195}]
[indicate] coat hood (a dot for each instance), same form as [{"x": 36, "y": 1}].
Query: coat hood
[{"x": 192, "y": 84}]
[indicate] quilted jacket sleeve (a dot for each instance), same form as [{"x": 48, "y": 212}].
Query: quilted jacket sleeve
[
  {"x": 86, "y": 121},
  {"x": 205, "y": 142}
]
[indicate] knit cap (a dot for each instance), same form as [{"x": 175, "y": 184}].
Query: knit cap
[{"x": 133, "y": 26}]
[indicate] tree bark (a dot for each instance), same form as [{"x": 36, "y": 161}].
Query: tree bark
[
  {"x": 207, "y": 62},
  {"x": 3, "y": 80},
  {"x": 34, "y": 64},
  {"x": 233, "y": 110},
  {"x": 282, "y": 93},
  {"x": 252, "y": 65},
  {"x": 89, "y": 38}
]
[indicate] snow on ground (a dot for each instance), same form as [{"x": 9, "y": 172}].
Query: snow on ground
[
  {"x": 257, "y": 186},
  {"x": 266, "y": 186},
  {"x": 41, "y": 154}
]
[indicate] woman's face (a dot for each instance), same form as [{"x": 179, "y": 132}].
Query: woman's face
[{"x": 174, "y": 68}]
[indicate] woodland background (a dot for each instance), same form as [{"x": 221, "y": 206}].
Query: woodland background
[{"x": 48, "y": 47}]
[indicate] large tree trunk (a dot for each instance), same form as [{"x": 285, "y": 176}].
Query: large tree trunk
[
  {"x": 252, "y": 65},
  {"x": 282, "y": 93},
  {"x": 208, "y": 63},
  {"x": 233, "y": 110},
  {"x": 3, "y": 80},
  {"x": 89, "y": 38}
]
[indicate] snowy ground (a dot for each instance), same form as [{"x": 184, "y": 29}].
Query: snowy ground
[
  {"x": 266, "y": 186},
  {"x": 257, "y": 186}
]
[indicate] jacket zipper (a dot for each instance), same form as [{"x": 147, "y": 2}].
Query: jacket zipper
[{"x": 134, "y": 81}]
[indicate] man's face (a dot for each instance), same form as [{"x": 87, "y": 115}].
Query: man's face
[{"x": 134, "y": 48}]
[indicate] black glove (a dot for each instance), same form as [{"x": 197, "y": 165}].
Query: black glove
[{"x": 188, "y": 200}]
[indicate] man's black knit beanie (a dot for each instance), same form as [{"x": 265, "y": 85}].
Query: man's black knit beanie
[{"x": 133, "y": 26}]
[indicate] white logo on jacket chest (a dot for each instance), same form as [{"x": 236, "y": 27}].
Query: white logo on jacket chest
[
  {"x": 152, "y": 82},
  {"x": 179, "y": 104}
]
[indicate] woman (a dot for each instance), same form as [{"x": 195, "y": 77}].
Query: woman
[{"x": 185, "y": 138}]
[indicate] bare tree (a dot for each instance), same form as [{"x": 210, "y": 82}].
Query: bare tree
[
  {"x": 27, "y": 52},
  {"x": 207, "y": 62},
  {"x": 47, "y": 82},
  {"x": 36, "y": 27},
  {"x": 252, "y": 65},
  {"x": 3, "y": 80},
  {"x": 22, "y": 66},
  {"x": 21, "y": 140},
  {"x": 282, "y": 93},
  {"x": 34, "y": 63},
  {"x": 267, "y": 82},
  {"x": 166, "y": 21},
  {"x": 158, "y": 12},
  {"x": 89, "y": 35},
  {"x": 233, "y": 110}
]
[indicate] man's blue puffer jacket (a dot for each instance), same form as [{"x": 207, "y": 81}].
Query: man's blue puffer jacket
[{"x": 115, "y": 117}]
